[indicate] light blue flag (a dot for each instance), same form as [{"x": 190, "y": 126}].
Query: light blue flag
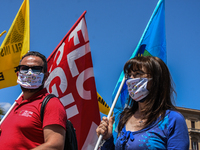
[{"x": 152, "y": 43}]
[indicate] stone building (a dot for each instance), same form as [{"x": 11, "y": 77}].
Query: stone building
[{"x": 192, "y": 118}]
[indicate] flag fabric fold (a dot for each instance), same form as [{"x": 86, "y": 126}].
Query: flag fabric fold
[
  {"x": 71, "y": 79},
  {"x": 103, "y": 106},
  {"x": 2, "y": 33},
  {"x": 152, "y": 43},
  {"x": 14, "y": 46}
]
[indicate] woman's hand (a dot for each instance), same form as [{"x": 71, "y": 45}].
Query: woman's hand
[{"x": 105, "y": 128}]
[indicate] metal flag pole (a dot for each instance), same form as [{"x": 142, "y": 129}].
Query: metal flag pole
[
  {"x": 10, "y": 109},
  {"x": 111, "y": 110}
]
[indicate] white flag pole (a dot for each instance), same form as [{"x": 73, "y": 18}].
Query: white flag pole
[
  {"x": 9, "y": 110},
  {"x": 111, "y": 110}
]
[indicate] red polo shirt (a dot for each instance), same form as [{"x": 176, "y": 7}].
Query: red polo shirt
[{"x": 22, "y": 129}]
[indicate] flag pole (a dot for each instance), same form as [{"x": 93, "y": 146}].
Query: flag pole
[
  {"x": 111, "y": 110},
  {"x": 133, "y": 55},
  {"x": 9, "y": 110}
]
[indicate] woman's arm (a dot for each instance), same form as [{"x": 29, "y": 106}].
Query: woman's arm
[{"x": 178, "y": 138}]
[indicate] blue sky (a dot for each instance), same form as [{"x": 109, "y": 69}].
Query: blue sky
[{"x": 114, "y": 29}]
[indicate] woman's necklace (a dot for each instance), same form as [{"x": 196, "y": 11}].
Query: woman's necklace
[
  {"x": 139, "y": 117},
  {"x": 141, "y": 121},
  {"x": 135, "y": 123}
]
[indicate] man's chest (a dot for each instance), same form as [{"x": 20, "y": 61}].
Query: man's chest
[{"x": 24, "y": 117}]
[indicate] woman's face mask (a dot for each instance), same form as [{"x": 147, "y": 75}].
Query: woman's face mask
[
  {"x": 137, "y": 88},
  {"x": 30, "y": 80}
]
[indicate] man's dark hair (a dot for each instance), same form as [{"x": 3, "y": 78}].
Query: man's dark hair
[{"x": 34, "y": 53}]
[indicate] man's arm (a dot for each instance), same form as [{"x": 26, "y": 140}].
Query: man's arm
[{"x": 54, "y": 137}]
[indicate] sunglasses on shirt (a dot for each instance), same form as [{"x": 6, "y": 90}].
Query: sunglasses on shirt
[{"x": 35, "y": 69}]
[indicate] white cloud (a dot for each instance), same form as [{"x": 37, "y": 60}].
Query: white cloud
[{"x": 5, "y": 106}]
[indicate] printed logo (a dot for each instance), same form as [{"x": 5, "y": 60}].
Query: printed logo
[{"x": 25, "y": 113}]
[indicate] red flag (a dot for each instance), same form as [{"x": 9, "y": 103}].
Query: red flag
[{"x": 72, "y": 80}]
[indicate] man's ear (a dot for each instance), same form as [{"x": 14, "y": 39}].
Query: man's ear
[{"x": 46, "y": 76}]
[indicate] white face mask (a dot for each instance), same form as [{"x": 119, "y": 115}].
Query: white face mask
[
  {"x": 30, "y": 80},
  {"x": 137, "y": 88}
]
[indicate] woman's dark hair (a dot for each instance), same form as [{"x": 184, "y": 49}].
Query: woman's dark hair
[
  {"x": 34, "y": 53},
  {"x": 160, "y": 97}
]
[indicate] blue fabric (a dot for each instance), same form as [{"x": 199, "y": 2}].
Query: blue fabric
[
  {"x": 171, "y": 133},
  {"x": 152, "y": 43}
]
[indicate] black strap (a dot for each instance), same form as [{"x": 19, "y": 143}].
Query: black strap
[{"x": 44, "y": 102}]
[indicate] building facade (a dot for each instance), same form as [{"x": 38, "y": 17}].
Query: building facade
[{"x": 192, "y": 118}]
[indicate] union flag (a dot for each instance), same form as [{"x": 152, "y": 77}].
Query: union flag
[{"x": 71, "y": 79}]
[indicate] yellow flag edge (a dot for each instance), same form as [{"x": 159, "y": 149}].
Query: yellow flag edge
[{"x": 103, "y": 106}]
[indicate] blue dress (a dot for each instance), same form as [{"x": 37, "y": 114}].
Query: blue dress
[{"x": 171, "y": 133}]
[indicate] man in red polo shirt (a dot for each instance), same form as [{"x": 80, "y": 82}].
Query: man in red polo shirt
[{"x": 23, "y": 129}]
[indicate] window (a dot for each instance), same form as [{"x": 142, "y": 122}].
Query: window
[
  {"x": 195, "y": 145},
  {"x": 193, "y": 124}
]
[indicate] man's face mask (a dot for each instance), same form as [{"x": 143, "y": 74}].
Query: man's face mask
[
  {"x": 137, "y": 88},
  {"x": 30, "y": 77}
]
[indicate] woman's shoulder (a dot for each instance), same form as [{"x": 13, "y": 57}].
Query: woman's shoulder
[
  {"x": 174, "y": 114},
  {"x": 175, "y": 117},
  {"x": 178, "y": 137}
]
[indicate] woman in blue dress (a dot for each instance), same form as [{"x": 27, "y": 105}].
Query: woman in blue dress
[{"x": 152, "y": 121}]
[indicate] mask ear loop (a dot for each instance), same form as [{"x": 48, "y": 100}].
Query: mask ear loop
[{"x": 143, "y": 81}]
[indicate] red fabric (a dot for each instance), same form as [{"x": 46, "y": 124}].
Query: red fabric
[
  {"x": 22, "y": 129},
  {"x": 72, "y": 80}
]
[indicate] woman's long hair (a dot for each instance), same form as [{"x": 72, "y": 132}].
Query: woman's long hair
[{"x": 161, "y": 92}]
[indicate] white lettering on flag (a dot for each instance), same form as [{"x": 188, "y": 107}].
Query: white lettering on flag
[
  {"x": 86, "y": 74},
  {"x": 81, "y": 26},
  {"x": 74, "y": 55},
  {"x": 72, "y": 80},
  {"x": 57, "y": 72},
  {"x": 66, "y": 100},
  {"x": 60, "y": 50}
]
